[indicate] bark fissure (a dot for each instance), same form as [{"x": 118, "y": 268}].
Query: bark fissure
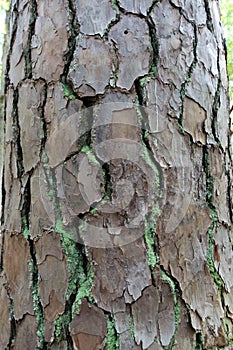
[
  {"x": 214, "y": 216},
  {"x": 150, "y": 221},
  {"x": 155, "y": 45},
  {"x": 216, "y": 105},
  {"x": 17, "y": 134},
  {"x": 31, "y": 32},
  {"x": 12, "y": 320},
  {"x": 12, "y": 40},
  {"x": 38, "y": 307},
  {"x": 73, "y": 30},
  {"x": 209, "y": 21},
  {"x": 176, "y": 291},
  {"x": 111, "y": 341},
  {"x": 33, "y": 267},
  {"x": 189, "y": 75}
]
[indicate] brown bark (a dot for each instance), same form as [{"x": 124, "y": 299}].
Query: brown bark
[{"x": 117, "y": 192}]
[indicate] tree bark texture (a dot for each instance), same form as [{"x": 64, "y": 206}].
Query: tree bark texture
[{"x": 117, "y": 207}]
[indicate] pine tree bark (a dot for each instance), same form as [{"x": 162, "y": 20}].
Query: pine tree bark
[{"x": 117, "y": 192}]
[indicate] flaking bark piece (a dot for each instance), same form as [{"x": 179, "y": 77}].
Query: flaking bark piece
[
  {"x": 26, "y": 334},
  {"x": 81, "y": 183},
  {"x": 228, "y": 298},
  {"x": 175, "y": 44},
  {"x": 13, "y": 219},
  {"x": 145, "y": 323},
  {"x": 61, "y": 346},
  {"x": 49, "y": 329},
  {"x": 155, "y": 346},
  {"x": 223, "y": 259},
  {"x": 17, "y": 57},
  {"x": 166, "y": 317},
  {"x": 220, "y": 185},
  {"x": 88, "y": 328},
  {"x": 42, "y": 215},
  {"x": 222, "y": 129},
  {"x": 91, "y": 68},
  {"x": 16, "y": 259},
  {"x": 5, "y": 315},
  {"x": 53, "y": 286},
  {"x": 48, "y": 244},
  {"x": 138, "y": 6},
  {"x": 138, "y": 273},
  {"x": 117, "y": 270},
  {"x": 31, "y": 98},
  {"x": 185, "y": 256},
  {"x": 162, "y": 100},
  {"x": 109, "y": 268},
  {"x": 64, "y": 125},
  {"x": 94, "y": 17},
  {"x": 131, "y": 37},
  {"x": 127, "y": 342},
  {"x": 193, "y": 120},
  {"x": 185, "y": 336},
  {"x": 194, "y": 10},
  {"x": 50, "y": 40}
]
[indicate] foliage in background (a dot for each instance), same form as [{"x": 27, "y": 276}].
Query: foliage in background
[
  {"x": 227, "y": 18},
  {"x": 4, "y": 7}
]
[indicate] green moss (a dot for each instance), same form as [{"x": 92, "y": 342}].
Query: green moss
[
  {"x": 228, "y": 330},
  {"x": 61, "y": 323},
  {"x": 210, "y": 255},
  {"x": 86, "y": 283},
  {"x": 94, "y": 211},
  {"x": 26, "y": 231},
  {"x": 90, "y": 155},
  {"x": 115, "y": 5},
  {"x": 37, "y": 305},
  {"x": 82, "y": 225},
  {"x": 131, "y": 327},
  {"x": 68, "y": 92},
  {"x": 150, "y": 228},
  {"x": 73, "y": 257},
  {"x": 166, "y": 278},
  {"x": 150, "y": 221},
  {"x": 111, "y": 341},
  {"x": 80, "y": 283}
]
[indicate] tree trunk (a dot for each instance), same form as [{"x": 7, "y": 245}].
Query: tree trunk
[{"x": 117, "y": 214}]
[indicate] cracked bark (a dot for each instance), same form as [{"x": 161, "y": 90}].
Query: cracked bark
[{"x": 109, "y": 244}]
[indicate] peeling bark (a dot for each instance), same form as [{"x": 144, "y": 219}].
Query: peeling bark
[{"x": 117, "y": 182}]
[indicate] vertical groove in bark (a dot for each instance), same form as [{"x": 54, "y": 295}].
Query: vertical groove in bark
[
  {"x": 12, "y": 320},
  {"x": 132, "y": 70},
  {"x": 11, "y": 39},
  {"x": 189, "y": 75},
  {"x": 31, "y": 32}
]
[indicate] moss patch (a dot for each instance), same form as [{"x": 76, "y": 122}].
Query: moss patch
[
  {"x": 37, "y": 305},
  {"x": 68, "y": 91},
  {"x": 61, "y": 324},
  {"x": 86, "y": 284},
  {"x": 111, "y": 341},
  {"x": 131, "y": 327},
  {"x": 165, "y": 277}
]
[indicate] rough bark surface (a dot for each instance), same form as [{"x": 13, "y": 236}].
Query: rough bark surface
[{"x": 108, "y": 244}]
